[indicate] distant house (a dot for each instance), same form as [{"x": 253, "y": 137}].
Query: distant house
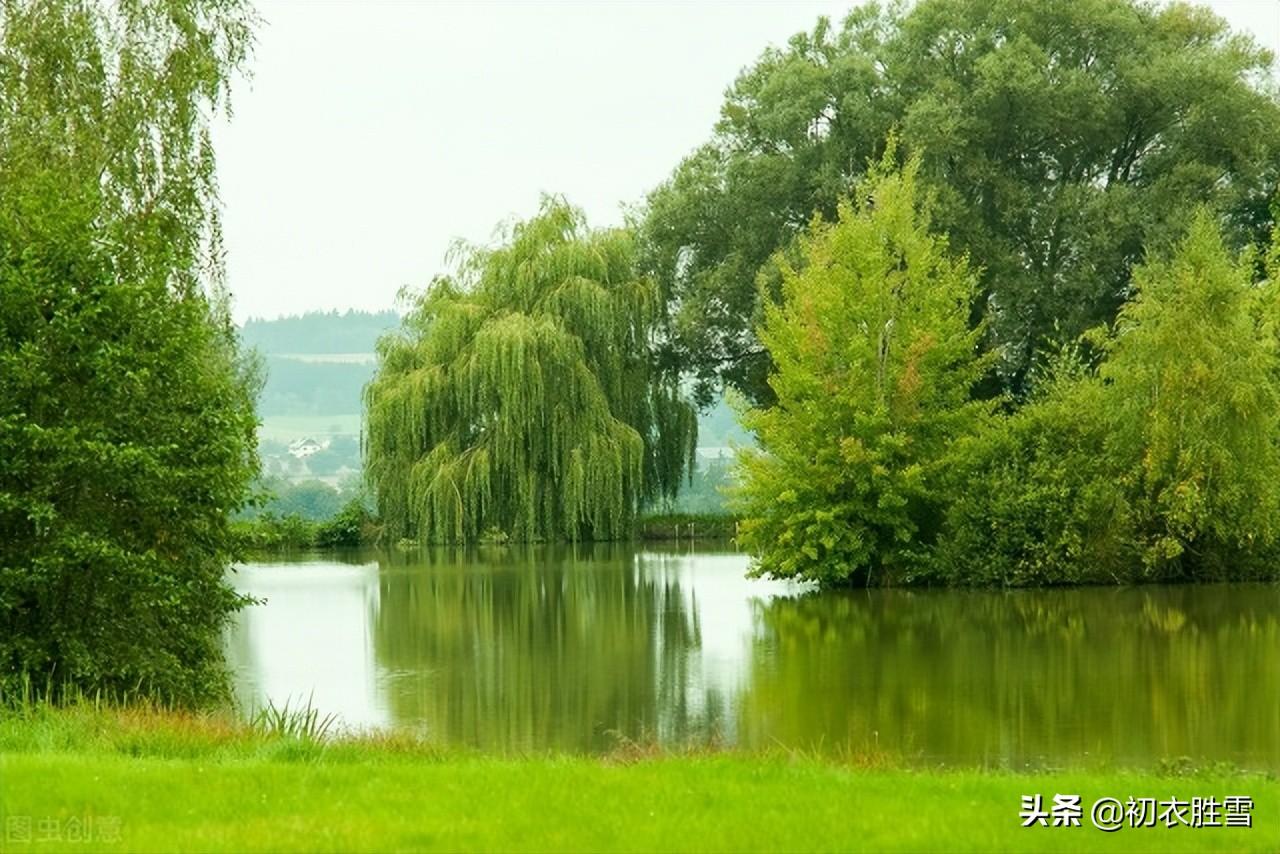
[
  {"x": 303, "y": 448},
  {"x": 708, "y": 455}
]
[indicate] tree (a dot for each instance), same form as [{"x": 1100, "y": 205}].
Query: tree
[
  {"x": 520, "y": 394},
  {"x": 874, "y": 363},
  {"x": 126, "y": 411},
  {"x": 1062, "y": 139},
  {"x": 1161, "y": 463},
  {"x": 313, "y": 500},
  {"x": 1193, "y": 374}
]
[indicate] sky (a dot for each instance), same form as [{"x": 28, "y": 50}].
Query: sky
[{"x": 372, "y": 135}]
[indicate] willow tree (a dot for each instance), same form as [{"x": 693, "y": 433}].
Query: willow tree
[{"x": 519, "y": 395}]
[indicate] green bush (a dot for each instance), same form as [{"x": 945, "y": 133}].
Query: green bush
[
  {"x": 350, "y": 527},
  {"x": 271, "y": 531},
  {"x": 1036, "y": 501}
]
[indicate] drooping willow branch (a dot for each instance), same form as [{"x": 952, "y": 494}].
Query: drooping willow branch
[{"x": 520, "y": 395}]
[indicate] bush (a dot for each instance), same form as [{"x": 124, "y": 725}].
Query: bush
[{"x": 351, "y": 527}]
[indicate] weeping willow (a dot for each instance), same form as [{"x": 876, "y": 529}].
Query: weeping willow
[{"x": 519, "y": 395}]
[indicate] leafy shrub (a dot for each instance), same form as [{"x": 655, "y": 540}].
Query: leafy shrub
[{"x": 350, "y": 527}]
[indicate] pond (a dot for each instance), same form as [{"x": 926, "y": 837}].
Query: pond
[{"x": 584, "y": 649}]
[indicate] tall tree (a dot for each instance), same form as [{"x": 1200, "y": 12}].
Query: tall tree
[
  {"x": 126, "y": 411},
  {"x": 875, "y": 362},
  {"x": 520, "y": 395},
  {"x": 1192, "y": 371},
  {"x": 1162, "y": 463},
  {"x": 1062, "y": 137}
]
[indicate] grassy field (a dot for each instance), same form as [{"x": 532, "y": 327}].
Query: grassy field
[
  {"x": 140, "y": 781},
  {"x": 286, "y": 428}
]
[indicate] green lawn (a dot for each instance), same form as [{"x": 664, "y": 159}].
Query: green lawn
[{"x": 193, "y": 785}]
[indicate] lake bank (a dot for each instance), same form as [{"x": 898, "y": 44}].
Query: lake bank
[
  {"x": 141, "y": 780},
  {"x": 272, "y": 535}
]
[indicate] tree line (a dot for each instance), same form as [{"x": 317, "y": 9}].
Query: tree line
[{"x": 978, "y": 273}]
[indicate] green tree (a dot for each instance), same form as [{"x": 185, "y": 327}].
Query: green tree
[
  {"x": 520, "y": 395},
  {"x": 313, "y": 500},
  {"x": 1063, "y": 138},
  {"x": 126, "y": 411},
  {"x": 1194, "y": 384},
  {"x": 875, "y": 361},
  {"x": 1159, "y": 464}
]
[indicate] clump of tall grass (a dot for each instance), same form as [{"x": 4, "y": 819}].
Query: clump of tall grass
[
  {"x": 52, "y": 717},
  {"x": 300, "y": 723}
]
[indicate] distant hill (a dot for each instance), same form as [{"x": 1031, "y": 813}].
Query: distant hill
[
  {"x": 317, "y": 362},
  {"x": 319, "y": 332}
]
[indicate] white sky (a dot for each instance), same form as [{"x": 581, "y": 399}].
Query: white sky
[{"x": 373, "y": 134}]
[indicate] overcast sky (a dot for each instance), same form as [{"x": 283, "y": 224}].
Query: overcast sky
[{"x": 374, "y": 134}]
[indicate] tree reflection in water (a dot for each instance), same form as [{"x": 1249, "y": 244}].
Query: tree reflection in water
[{"x": 579, "y": 649}]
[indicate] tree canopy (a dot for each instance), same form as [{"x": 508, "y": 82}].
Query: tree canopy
[
  {"x": 1158, "y": 463},
  {"x": 874, "y": 365},
  {"x": 126, "y": 411},
  {"x": 1062, "y": 140},
  {"x": 520, "y": 394}
]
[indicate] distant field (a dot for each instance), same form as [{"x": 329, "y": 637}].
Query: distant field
[
  {"x": 286, "y": 428},
  {"x": 330, "y": 358}
]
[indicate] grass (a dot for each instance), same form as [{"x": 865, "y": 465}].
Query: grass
[
  {"x": 147, "y": 780},
  {"x": 286, "y": 428}
]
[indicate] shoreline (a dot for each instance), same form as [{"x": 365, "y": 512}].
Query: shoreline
[{"x": 162, "y": 780}]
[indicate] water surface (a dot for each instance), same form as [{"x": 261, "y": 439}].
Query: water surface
[{"x": 580, "y": 649}]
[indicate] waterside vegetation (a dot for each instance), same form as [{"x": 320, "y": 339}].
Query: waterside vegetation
[{"x": 129, "y": 780}]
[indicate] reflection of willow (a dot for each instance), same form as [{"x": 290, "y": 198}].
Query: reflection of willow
[
  {"x": 1131, "y": 675},
  {"x": 536, "y": 648}
]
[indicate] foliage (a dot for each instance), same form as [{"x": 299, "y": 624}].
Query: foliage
[
  {"x": 126, "y": 410},
  {"x": 1063, "y": 139},
  {"x": 1037, "y": 502},
  {"x": 271, "y": 531},
  {"x": 1160, "y": 464},
  {"x": 302, "y": 722},
  {"x": 352, "y": 526},
  {"x": 875, "y": 362},
  {"x": 520, "y": 394},
  {"x": 312, "y": 500}
]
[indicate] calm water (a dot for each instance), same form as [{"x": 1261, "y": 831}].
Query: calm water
[{"x": 567, "y": 649}]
